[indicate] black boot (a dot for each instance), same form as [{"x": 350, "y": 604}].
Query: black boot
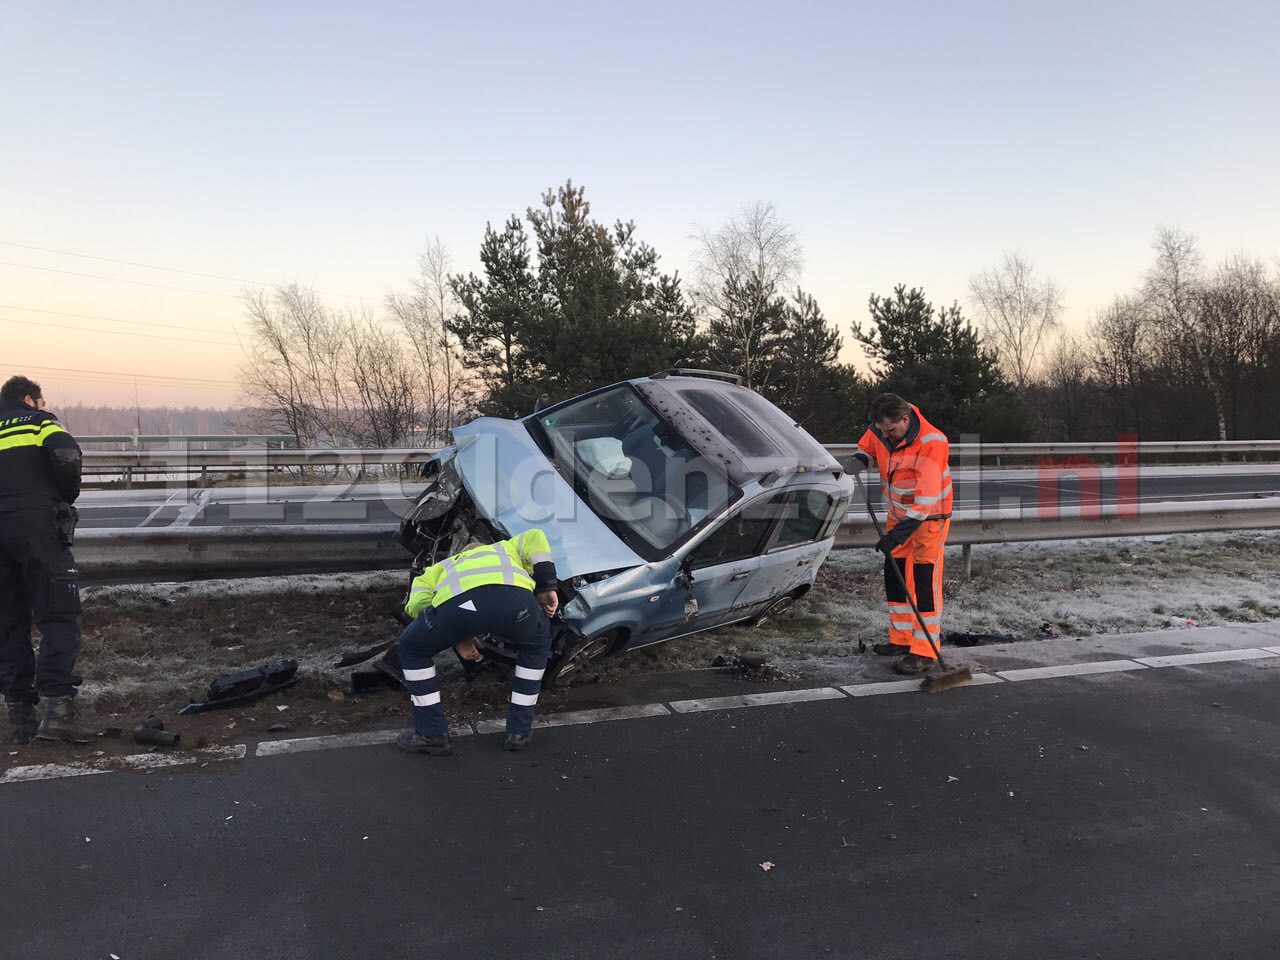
[
  {"x": 890, "y": 649},
  {"x": 516, "y": 741},
  {"x": 411, "y": 742},
  {"x": 61, "y": 722},
  {"x": 913, "y": 663},
  {"x": 22, "y": 721}
]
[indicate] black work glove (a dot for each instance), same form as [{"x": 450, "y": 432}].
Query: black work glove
[
  {"x": 855, "y": 465},
  {"x": 896, "y": 537}
]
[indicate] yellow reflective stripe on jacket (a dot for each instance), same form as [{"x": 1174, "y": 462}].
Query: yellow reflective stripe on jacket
[
  {"x": 28, "y": 435},
  {"x": 507, "y": 562},
  {"x": 533, "y": 548}
]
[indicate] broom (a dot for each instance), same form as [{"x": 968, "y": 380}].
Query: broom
[{"x": 948, "y": 677}]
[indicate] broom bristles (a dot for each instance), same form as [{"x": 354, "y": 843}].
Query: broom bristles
[{"x": 936, "y": 683}]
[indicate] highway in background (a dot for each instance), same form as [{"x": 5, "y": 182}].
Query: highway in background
[{"x": 347, "y": 503}]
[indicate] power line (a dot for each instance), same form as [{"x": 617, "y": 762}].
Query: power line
[
  {"x": 152, "y": 266},
  {"x": 116, "y": 333},
  {"x": 140, "y": 283},
  {"x": 90, "y": 316},
  {"x": 125, "y": 376}
]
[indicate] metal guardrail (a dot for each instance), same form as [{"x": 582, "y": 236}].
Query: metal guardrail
[
  {"x": 115, "y": 555},
  {"x": 136, "y": 440},
  {"x": 169, "y": 459}
]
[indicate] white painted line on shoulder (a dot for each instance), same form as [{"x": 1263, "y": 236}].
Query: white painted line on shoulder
[
  {"x": 276, "y": 748},
  {"x": 49, "y": 771},
  {"x": 1211, "y": 656},
  {"x": 881, "y": 687},
  {"x": 136, "y": 762},
  {"x": 603, "y": 714},
  {"x": 756, "y": 700},
  {"x": 573, "y": 717},
  {"x": 1070, "y": 670},
  {"x": 1275, "y": 650}
]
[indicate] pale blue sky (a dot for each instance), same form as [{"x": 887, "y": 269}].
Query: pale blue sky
[{"x": 324, "y": 142}]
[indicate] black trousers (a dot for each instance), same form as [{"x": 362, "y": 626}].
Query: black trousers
[
  {"x": 39, "y": 584},
  {"x": 509, "y": 612}
]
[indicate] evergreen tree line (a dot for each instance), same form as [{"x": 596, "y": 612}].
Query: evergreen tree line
[{"x": 563, "y": 304}]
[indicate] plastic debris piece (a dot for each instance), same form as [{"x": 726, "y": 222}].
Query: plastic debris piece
[
  {"x": 767, "y": 866},
  {"x": 246, "y": 686},
  {"x": 282, "y": 707},
  {"x": 953, "y": 779}
]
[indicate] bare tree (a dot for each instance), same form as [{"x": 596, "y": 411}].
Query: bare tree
[
  {"x": 423, "y": 317},
  {"x": 1118, "y": 349},
  {"x": 384, "y": 379},
  {"x": 1068, "y": 379},
  {"x": 298, "y": 362},
  {"x": 738, "y": 269},
  {"x": 1017, "y": 313},
  {"x": 1240, "y": 306}
]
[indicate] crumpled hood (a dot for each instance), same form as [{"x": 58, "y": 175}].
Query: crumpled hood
[{"x": 514, "y": 485}]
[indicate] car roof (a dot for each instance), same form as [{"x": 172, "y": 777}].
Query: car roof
[{"x": 734, "y": 426}]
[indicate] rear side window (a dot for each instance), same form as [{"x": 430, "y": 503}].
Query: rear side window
[
  {"x": 807, "y": 512},
  {"x": 740, "y": 536}
]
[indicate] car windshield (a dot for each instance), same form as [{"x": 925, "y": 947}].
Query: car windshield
[{"x": 634, "y": 470}]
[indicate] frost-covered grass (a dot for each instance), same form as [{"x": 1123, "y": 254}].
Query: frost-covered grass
[{"x": 170, "y": 639}]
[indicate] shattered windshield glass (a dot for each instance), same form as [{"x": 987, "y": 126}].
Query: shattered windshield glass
[{"x": 634, "y": 470}]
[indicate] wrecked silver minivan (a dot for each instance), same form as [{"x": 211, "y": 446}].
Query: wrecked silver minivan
[{"x": 674, "y": 504}]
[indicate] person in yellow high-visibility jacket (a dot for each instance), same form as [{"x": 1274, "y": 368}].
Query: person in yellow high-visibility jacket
[{"x": 506, "y": 588}]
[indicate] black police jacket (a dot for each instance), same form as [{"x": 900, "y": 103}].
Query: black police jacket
[{"x": 39, "y": 460}]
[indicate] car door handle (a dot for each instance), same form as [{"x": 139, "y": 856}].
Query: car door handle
[
  {"x": 805, "y": 562},
  {"x": 739, "y": 576}
]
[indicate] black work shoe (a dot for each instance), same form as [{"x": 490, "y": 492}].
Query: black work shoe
[
  {"x": 62, "y": 722},
  {"x": 913, "y": 663},
  {"x": 516, "y": 741},
  {"x": 22, "y": 721},
  {"x": 411, "y": 742},
  {"x": 890, "y": 649}
]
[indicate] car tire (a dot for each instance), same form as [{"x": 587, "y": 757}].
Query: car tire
[
  {"x": 781, "y": 605},
  {"x": 562, "y": 667}
]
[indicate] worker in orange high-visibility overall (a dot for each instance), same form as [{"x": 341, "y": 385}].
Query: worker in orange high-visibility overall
[{"x": 915, "y": 479}]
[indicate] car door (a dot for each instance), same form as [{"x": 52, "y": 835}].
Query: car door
[
  {"x": 795, "y": 550},
  {"x": 727, "y": 559}
]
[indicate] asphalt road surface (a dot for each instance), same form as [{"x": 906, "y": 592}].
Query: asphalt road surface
[
  {"x": 357, "y": 503},
  {"x": 1128, "y": 815}
]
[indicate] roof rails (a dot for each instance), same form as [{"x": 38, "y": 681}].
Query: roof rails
[{"x": 705, "y": 374}]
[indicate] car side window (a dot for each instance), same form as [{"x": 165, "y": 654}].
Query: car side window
[
  {"x": 805, "y": 516},
  {"x": 739, "y": 536}
]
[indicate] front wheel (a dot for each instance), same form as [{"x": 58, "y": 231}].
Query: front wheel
[{"x": 577, "y": 655}]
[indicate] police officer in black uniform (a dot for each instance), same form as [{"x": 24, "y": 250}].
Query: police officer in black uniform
[{"x": 39, "y": 482}]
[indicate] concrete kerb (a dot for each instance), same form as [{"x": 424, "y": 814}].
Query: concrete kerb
[{"x": 1139, "y": 653}]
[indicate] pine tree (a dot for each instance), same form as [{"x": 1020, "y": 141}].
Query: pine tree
[
  {"x": 593, "y": 311},
  {"x": 936, "y": 360},
  {"x": 499, "y": 311}
]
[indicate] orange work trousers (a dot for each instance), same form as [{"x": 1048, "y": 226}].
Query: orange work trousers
[{"x": 919, "y": 561}]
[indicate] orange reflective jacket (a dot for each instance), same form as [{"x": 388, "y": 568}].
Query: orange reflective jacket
[{"x": 914, "y": 471}]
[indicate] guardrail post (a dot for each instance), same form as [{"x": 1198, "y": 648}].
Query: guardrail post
[{"x": 966, "y": 561}]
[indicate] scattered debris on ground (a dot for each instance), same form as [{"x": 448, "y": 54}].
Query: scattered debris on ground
[{"x": 151, "y": 649}]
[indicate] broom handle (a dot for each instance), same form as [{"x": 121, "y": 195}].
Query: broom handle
[{"x": 892, "y": 562}]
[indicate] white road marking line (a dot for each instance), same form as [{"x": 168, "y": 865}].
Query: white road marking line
[
  {"x": 756, "y": 700},
  {"x": 582, "y": 716},
  {"x": 276, "y": 748},
  {"x": 167, "y": 502},
  {"x": 907, "y": 686},
  {"x": 881, "y": 686},
  {"x": 1070, "y": 670},
  {"x": 1272, "y": 649},
  {"x": 1212, "y": 656},
  {"x": 191, "y": 510},
  {"x": 137, "y": 761}
]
